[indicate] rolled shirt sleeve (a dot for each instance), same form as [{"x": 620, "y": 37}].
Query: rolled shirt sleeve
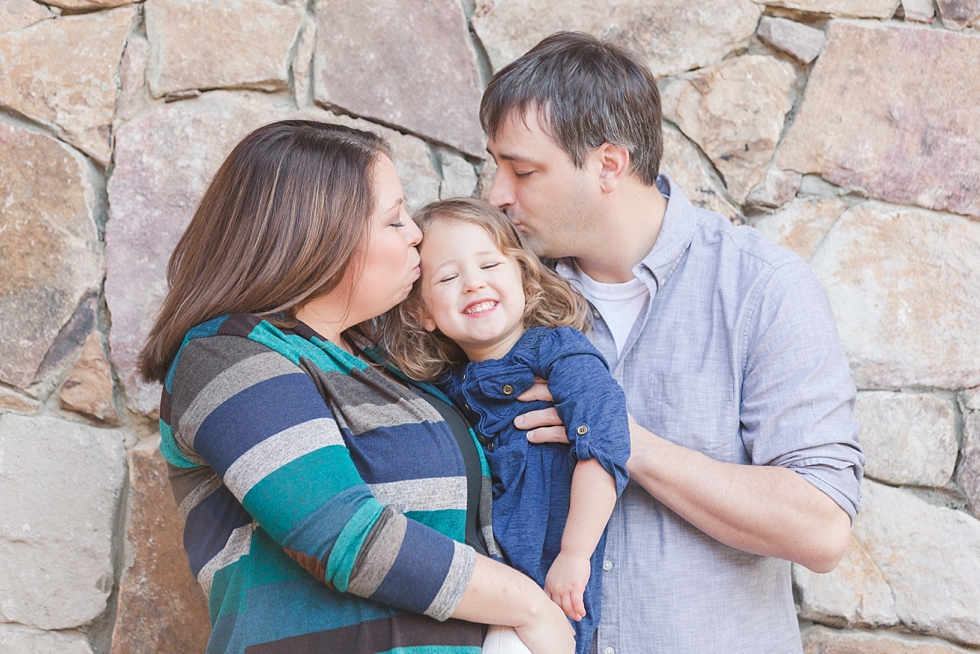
[
  {"x": 589, "y": 401},
  {"x": 797, "y": 393}
]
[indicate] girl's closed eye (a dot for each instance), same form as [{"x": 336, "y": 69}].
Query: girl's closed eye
[{"x": 492, "y": 264}]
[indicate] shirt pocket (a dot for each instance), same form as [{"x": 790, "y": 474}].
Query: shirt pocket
[{"x": 697, "y": 410}]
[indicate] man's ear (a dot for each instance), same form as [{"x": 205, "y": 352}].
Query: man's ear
[{"x": 615, "y": 165}]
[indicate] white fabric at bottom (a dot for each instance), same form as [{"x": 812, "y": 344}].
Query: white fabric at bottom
[{"x": 504, "y": 640}]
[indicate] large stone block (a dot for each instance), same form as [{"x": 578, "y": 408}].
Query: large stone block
[
  {"x": 801, "y": 42},
  {"x": 671, "y": 37},
  {"x": 968, "y": 474},
  {"x": 820, "y": 640},
  {"x": 896, "y": 570},
  {"x": 236, "y": 43},
  {"x": 959, "y": 13},
  {"x": 407, "y": 63},
  {"x": 164, "y": 159},
  {"x": 873, "y": 117},
  {"x": 905, "y": 288},
  {"x": 854, "y": 594},
  {"x": 60, "y": 484},
  {"x": 735, "y": 112},
  {"x": 161, "y": 606},
  {"x": 842, "y": 8},
  {"x": 682, "y": 162},
  {"x": 50, "y": 246},
  {"x": 62, "y": 73},
  {"x": 18, "y": 639},
  {"x": 15, "y": 14},
  {"x": 801, "y": 225},
  {"x": 908, "y": 438}
]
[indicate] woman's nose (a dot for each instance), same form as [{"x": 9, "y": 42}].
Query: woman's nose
[{"x": 414, "y": 233}]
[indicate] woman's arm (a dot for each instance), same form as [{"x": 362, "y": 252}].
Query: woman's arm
[
  {"x": 498, "y": 594},
  {"x": 259, "y": 423},
  {"x": 592, "y": 500}
]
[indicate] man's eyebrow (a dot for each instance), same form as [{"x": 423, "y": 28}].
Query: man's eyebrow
[{"x": 510, "y": 157}]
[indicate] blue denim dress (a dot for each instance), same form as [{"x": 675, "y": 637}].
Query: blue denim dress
[{"x": 532, "y": 483}]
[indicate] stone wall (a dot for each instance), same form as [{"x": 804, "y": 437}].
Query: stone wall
[{"x": 844, "y": 129}]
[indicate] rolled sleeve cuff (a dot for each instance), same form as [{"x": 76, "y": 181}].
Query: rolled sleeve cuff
[
  {"x": 839, "y": 480},
  {"x": 458, "y": 578}
]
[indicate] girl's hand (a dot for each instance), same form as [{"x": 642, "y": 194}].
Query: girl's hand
[
  {"x": 544, "y": 425},
  {"x": 551, "y": 633},
  {"x": 565, "y": 583}
]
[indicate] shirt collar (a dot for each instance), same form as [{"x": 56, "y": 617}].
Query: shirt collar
[{"x": 676, "y": 235}]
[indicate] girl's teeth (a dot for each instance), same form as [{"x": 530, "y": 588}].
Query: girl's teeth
[{"x": 484, "y": 306}]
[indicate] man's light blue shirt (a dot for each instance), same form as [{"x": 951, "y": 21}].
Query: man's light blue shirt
[{"x": 736, "y": 355}]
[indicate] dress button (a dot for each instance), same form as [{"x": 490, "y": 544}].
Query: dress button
[
  {"x": 609, "y": 650},
  {"x": 582, "y": 430},
  {"x": 490, "y": 446},
  {"x": 607, "y": 565},
  {"x": 466, "y": 404},
  {"x": 507, "y": 389}
]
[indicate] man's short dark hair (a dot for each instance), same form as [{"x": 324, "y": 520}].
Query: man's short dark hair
[{"x": 589, "y": 92}]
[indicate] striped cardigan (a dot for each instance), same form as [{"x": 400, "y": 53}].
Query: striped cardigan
[{"x": 323, "y": 504}]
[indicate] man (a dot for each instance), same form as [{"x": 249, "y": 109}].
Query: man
[{"x": 745, "y": 448}]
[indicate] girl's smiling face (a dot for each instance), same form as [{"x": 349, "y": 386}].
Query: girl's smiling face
[{"x": 472, "y": 292}]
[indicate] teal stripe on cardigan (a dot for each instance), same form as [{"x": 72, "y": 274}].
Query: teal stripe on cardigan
[
  {"x": 263, "y": 498},
  {"x": 348, "y": 544},
  {"x": 169, "y": 449}
]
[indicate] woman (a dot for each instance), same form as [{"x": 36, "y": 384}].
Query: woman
[{"x": 328, "y": 505}]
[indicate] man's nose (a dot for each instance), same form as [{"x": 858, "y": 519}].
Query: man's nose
[{"x": 501, "y": 193}]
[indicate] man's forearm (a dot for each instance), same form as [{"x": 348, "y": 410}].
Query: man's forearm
[{"x": 765, "y": 510}]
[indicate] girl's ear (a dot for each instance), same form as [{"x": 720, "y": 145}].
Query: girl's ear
[{"x": 425, "y": 318}]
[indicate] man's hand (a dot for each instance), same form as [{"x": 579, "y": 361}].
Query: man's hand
[
  {"x": 565, "y": 584},
  {"x": 543, "y": 425}
]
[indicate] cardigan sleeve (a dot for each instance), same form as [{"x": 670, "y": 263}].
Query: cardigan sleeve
[{"x": 257, "y": 420}]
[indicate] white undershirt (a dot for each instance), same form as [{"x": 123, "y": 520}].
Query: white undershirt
[{"x": 618, "y": 304}]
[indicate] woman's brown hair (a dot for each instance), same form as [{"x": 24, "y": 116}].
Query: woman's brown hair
[
  {"x": 550, "y": 301},
  {"x": 277, "y": 226}
]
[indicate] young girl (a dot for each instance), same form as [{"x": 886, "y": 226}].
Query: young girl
[{"x": 485, "y": 318}]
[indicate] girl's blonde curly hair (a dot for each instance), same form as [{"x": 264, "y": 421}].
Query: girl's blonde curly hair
[{"x": 550, "y": 301}]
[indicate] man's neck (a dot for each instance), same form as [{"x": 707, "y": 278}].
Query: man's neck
[{"x": 631, "y": 228}]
